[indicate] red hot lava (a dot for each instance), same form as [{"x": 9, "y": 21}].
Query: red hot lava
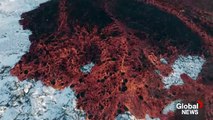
[{"x": 125, "y": 40}]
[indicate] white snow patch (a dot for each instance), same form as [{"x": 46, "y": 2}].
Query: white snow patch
[
  {"x": 163, "y": 60},
  {"x": 33, "y": 100},
  {"x": 87, "y": 68},
  {"x": 128, "y": 116},
  {"x": 28, "y": 99},
  {"x": 170, "y": 107},
  {"x": 125, "y": 116},
  {"x": 147, "y": 117},
  {"x": 190, "y": 65}
]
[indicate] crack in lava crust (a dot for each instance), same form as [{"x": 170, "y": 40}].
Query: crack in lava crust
[{"x": 124, "y": 44}]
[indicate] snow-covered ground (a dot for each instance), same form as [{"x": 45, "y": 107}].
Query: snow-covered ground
[
  {"x": 87, "y": 68},
  {"x": 171, "y": 107},
  {"x": 34, "y": 101},
  {"x": 190, "y": 65},
  {"x": 129, "y": 116}
]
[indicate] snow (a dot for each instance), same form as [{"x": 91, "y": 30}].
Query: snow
[
  {"x": 87, "y": 68},
  {"x": 147, "y": 117},
  {"x": 33, "y": 100},
  {"x": 170, "y": 107},
  {"x": 128, "y": 116},
  {"x": 190, "y": 65},
  {"x": 125, "y": 116},
  {"x": 163, "y": 60}
]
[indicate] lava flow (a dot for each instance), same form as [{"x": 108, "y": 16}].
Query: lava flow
[{"x": 125, "y": 40}]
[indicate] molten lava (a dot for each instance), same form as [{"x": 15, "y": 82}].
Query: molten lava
[{"x": 125, "y": 39}]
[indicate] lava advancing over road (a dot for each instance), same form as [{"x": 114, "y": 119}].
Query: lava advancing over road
[{"x": 125, "y": 40}]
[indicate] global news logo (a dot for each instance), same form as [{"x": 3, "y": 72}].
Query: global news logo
[{"x": 190, "y": 109}]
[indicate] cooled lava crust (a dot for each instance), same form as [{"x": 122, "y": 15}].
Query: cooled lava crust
[{"x": 125, "y": 39}]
